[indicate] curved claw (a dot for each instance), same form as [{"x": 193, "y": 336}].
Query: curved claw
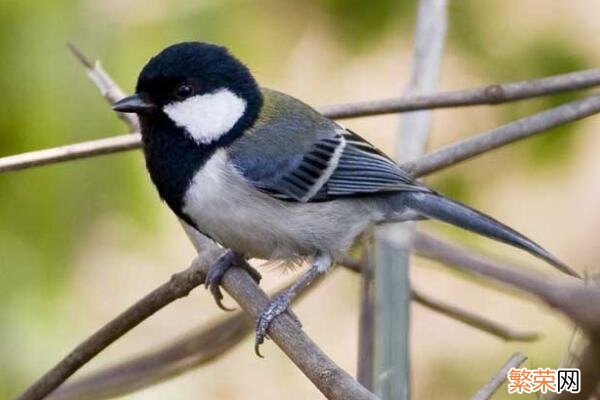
[
  {"x": 215, "y": 290},
  {"x": 257, "y": 348},
  {"x": 215, "y": 275},
  {"x": 278, "y": 306},
  {"x": 217, "y": 271}
]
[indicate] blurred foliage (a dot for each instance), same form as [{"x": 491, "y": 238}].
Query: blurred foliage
[
  {"x": 510, "y": 58},
  {"x": 47, "y": 213},
  {"x": 359, "y": 23}
]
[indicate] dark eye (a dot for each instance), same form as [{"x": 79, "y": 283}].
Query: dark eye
[{"x": 183, "y": 91}]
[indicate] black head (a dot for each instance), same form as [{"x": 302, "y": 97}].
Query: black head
[
  {"x": 192, "y": 98},
  {"x": 201, "y": 88}
]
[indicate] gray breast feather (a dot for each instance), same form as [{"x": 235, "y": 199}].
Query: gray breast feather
[{"x": 237, "y": 215}]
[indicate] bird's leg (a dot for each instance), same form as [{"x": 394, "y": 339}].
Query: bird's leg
[
  {"x": 218, "y": 269},
  {"x": 281, "y": 303}
]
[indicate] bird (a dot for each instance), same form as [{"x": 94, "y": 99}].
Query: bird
[{"x": 267, "y": 176}]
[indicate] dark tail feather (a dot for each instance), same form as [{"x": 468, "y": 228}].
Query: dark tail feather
[{"x": 437, "y": 207}]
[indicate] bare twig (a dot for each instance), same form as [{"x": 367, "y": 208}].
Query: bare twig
[
  {"x": 108, "y": 88},
  {"x": 456, "y": 153},
  {"x": 474, "y": 320},
  {"x": 459, "y": 314},
  {"x": 568, "y": 295},
  {"x": 70, "y": 152},
  {"x": 178, "y": 286},
  {"x": 207, "y": 343},
  {"x": 504, "y": 135},
  {"x": 332, "y": 381},
  {"x": 193, "y": 350},
  {"x": 493, "y": 94},
  {"x": 497, "y": 380}
]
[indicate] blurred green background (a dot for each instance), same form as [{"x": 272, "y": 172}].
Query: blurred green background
[{"x": 81, "y": 241}]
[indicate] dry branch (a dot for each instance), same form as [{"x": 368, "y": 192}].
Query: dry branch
[
  {"x": 207, "y": 343},
  {"x": 90, "y": 148},
  {"x": 458, "y": 314},
  {"x": 568, "y": 295},
  {"x": 107, "y": 87},
  {"x": 493, "y": 94},
  {"x": 497, "y": 380},
  {"x": 332, "y": 381},
  {"x": 504, "y": 135},
  {"x": 178, "y": 286},
  {"x": 474, "y": 320},
  {"x": 195, "y": 349},
  {"x": 117, "y": 144}
]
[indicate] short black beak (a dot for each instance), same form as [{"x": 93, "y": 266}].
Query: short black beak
[{"x": 133, "y": 104}]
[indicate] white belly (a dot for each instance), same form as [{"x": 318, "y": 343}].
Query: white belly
[{"x": 240, "y": 217}]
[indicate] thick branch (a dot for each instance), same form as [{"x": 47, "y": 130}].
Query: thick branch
[
  {"x": 497, "y": 380},
  {"x": 193, "y": 350},
  {"x": 332, "y": 381},
  {"x": 208, "y": 343}
]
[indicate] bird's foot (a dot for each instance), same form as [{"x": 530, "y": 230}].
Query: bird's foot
[
  {"x": 276, "y": 307},
  {"x": 219, "y": 268}
]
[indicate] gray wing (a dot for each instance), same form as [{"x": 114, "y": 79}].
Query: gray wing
[
  {"x": 314, "y": 159},
  {"x": 342, "y": 165}
]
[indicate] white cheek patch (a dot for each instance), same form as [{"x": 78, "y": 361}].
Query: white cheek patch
[{"x": 207, "y": 117}]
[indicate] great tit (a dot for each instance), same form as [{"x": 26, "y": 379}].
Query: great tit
[{"x": 269, "y": 177}]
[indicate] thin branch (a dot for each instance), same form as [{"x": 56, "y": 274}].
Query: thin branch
[
  {"x": 474, "y": 320},
  {"x": 108, "y": 88},
  {"x": 518, "y": 130},
  {"x": 493, "y": 94},
  {"x": 459, "y": 314},
  {"x": 193, "y": 350},
  {"x": 332, "y": 381},
  {"x": 455, "y": 153},
  {"x": 178, "y": 286},
  {"x": 205, "y": 344},
  {"x": 497, "y": 380},
  {"x": 568, "y": 295},
  {"x": 70, "y": 152}
]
